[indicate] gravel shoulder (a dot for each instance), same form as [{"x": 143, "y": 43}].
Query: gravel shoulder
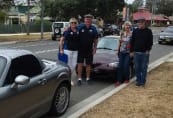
[{"x": 155, "y": 100}]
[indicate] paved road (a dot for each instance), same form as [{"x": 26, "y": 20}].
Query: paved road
[{"x": 48, "y": 50}]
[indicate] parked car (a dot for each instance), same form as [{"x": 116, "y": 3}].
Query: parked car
[
  {"x": 58, "y": 29},
  {"x": 106, "y": 59},
  {"x": 110, "y": 29},
  {"x": 30, "y": 87},
  {"x": 166, "y": 36}
]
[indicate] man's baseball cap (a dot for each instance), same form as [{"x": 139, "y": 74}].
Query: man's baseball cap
[
  {"x": 88, "y": 16},
  {"x": 141, "y": 19}
]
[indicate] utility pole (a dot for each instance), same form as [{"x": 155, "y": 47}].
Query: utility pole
[
  {"x": 42, "y": 22},
  {"x": 28, "y": 17},
  {"x": 153, "y": 11}
]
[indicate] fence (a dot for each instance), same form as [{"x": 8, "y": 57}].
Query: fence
[{"x": 22, "y": 28}]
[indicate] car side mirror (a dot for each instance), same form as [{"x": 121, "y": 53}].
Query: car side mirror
[{"x": 20, "y": 80}]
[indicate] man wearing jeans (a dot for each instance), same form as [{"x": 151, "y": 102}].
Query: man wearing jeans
[{"x": 141, "y": 44}]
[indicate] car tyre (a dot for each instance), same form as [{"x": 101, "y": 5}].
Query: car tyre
[
  {"x": 53, "y": 38},
  {"x": 61, "y": 100},
  {"x": 159, "y": 42}
]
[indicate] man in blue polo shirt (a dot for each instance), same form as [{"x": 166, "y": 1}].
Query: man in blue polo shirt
[{"x": 88, "y": 38}]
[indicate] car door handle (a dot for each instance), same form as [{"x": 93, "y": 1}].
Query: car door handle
[{"x": 42, "y": 81}]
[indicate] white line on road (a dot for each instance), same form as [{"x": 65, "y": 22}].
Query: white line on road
[{"x": 46, "y": 51}]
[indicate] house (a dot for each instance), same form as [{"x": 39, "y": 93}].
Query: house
[
  {"x": 150, "y": 18},
  {"x": 19, "y": 12}
]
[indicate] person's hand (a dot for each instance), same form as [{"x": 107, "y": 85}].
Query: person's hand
[
  {"x": 94, "y": 51},
  {"x": 131, "y": 54},
  {"x": 147, "y": 52},
  {"x": 61, "y": 52}
]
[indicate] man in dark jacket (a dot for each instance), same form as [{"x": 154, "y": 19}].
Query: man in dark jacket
[{"x": 141, "y": 44}]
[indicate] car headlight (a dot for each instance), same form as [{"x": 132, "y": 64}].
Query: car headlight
[
  {"x": 162, "y": 37},
  {"x": 114, "y": 64}
]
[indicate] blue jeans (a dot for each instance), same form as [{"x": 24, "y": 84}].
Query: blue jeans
[
  {"x": 123, "y": 67},
  {"x": 141, "y": 60}
]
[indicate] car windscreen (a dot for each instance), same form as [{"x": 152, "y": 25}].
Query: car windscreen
[
  {"x": 59, "y": 25},
  {"x": 109, "y": 43},
  {"x": 3, "y": 63},
  {"x": 170, "y": 30}
]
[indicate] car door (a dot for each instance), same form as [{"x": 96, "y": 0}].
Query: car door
[{"x": 24, "y": 100}]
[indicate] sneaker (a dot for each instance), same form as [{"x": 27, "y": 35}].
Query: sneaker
[
  {"x": 79, "y": 82},
  {"x": 117, "y": 84},
  {"x": 138, "y": 84},
  {"x": 126, "y": 81}
]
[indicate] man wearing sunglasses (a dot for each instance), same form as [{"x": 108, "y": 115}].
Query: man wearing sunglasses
[
  {"x": 88, "y": 38},
  {"x": 141, "y": 44}
]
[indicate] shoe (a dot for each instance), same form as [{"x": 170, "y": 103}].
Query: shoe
[
  {"x": 79, "y": 82},
  {"x": 138, "y": 84},
  {"x": 143, "y": 85},
  {"x": 117, "y": 84},
  {"x": 126, "y": 81}
]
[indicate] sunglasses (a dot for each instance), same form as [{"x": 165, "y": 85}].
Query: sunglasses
[{"x": 73, "y": 23}]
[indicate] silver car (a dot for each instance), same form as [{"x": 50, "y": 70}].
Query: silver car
[{"x": 30, "y": 87}]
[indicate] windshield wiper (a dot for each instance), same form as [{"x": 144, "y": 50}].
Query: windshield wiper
[{"x": 104, "y": 48}]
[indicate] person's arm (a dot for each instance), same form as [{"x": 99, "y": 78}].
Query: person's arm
[
  {"x": 95, "y": 40},
  {"x": 132, "y": 40},
  {"x": 150, "y": 41},
  {"x": 61, "y": 50},
  {"x": 95, "y": 45}
]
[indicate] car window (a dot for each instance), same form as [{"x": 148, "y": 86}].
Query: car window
[
  {"x": 27, "y": 65},
  {"x": 59, "y": 25},
  {"x": 3, "y": 63},
  {"x": 67, "y": 24},
  {"x": 169, "y": 30},
  {"x": 109, "y": 43}
]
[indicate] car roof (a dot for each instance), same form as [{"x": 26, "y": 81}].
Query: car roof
[{"x": 13, "y": 53}]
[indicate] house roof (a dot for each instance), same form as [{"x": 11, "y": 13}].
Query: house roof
[{"x": 147, "y": 15}]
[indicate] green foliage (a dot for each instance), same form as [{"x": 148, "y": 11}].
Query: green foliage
[
  {"x": 161, "y": 6},
  {"x": 2, "y": 17},
  {"x": 64, "y": 9},
  {"x": 46, "y": 22}
]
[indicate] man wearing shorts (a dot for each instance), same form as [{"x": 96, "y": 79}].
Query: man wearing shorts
[{"x": 88, "y": 38}]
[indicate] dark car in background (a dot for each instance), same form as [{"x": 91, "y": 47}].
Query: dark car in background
[
  {"x": 30, "y": 87},
  {"x": 166, "y": 36},
  {"x": 111, "y": 29}
]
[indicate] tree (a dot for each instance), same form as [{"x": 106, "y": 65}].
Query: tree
[
  {"x": 161, "y": 6},
  {"x": 136, "y": 4},
  {"x": 64, "y": 9},
  {"x": 4, "y": 5}
]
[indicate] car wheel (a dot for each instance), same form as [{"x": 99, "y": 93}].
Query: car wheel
[
  {"x": 61, "y": 100},
  {"x": 159, "y": 42},
  {"x": 53, "y": 38}
]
